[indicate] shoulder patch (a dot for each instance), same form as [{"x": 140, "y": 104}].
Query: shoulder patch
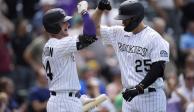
[{"x": 163, "y": 53}]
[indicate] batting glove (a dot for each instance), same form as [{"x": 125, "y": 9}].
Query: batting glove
[
  {"x": 104, "y": 5},
  {"x": 85, "y": 99},
  {"x": 129, "y": 94},
  {"x": 82, "y": 7}
]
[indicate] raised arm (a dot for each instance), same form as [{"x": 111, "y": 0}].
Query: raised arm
[
  {"x": 89, "y": 29},
  {"x": 97, "y": 19},
  {"x": 102, "y": 5},
  {"x": 88, "y": 24}
]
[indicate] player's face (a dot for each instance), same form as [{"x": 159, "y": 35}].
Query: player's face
[
  {"x": 189, "y": 79},
  {"x": 64, "y": 28},
  {"x": 126, "y": 22}
]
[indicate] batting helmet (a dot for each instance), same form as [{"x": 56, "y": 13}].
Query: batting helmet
[
  {"x": 131, "y": 9},
  {"x": 53, "y": 18}
]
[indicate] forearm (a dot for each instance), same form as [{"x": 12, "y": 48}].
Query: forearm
[
  {"x": 97, "y": 20},
  {"x": 156, "y": 71},
  {"x": 89, "y": 26}
]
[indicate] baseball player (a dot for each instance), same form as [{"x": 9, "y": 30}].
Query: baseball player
[
  {"x": 59, "y": 62},
  {"x": 142, "y": 54}
]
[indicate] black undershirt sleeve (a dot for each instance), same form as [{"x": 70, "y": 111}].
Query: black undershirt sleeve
[
  {"x": 156, "y": 71},
  {"x": 85, "y": 41}
]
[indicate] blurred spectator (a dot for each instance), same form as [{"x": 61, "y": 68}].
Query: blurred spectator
[
  {"x": 11, "y": 13},
  {"x": 110, "y": 59},
  {"x": 169, "y": 7},
  {"x": 115, "y": 87},
  {"x": 33, "y": 53},
  {"x": 189, "y": 62},
  {"x": 68, "y": 5},
  {"x": 93, "y": 91},
  {"x": 175, "y": 101},
  {"x": 92, "y": 4},
  {"x": 28, "y": 7},
  {"x": 6, "y": 65},
  {"x": 86, "y": 74},
  {"x": 7, "y": 86},
  {"x": 187, "y": 90},
  {"x": 188, "y": 65},
  {"x": 37, "y": 18},
  {"x": 190, "y": 107},
  {"x": 153, "y": 9},
  {"x": 6, "y": 28},
  {"x": 20, "y": 41},
  {"x": 76, "y": 25},
  {"x": 17, "y": 8},
  {"x": 110, "y": 62},
  {"x": 187, "y": 9},
  {"x": 187, "y": 39},
  {"x": 39, "y": 94},
  {"x": 3, "y": 6},
  {"x": 3, "y": 102}
]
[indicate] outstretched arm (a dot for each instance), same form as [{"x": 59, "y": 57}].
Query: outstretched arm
[
  {"x": 88, "y": 24},
  {"x": 102, "y": 5},
  {"x": 89, "y": 29},
  {"x": 97, "y": 20}
]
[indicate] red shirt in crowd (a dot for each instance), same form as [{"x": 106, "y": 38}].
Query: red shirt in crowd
[{"x": 5, "y": 57}]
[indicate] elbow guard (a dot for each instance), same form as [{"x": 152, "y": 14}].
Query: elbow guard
[{"x": 85, "y": 41}]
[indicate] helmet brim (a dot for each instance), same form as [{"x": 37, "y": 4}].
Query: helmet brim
[
  {"x": 67, "y": 18},
  {"x": 123, "y": 17}
]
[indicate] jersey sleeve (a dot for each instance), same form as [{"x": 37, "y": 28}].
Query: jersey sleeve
[
  {"x": 159, "y": 50},
  {"x": 109, "y": 34},
  {"x": 67, "y": 45}
]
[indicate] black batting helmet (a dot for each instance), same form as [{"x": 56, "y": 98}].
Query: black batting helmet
[
  {"x": 53, "y": 18},
  {"x": 131, "y": 9}
]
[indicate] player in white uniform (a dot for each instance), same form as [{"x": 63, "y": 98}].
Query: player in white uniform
[
  {"x": 142, "y": 54},
  {"x": 59, "y": 62}
]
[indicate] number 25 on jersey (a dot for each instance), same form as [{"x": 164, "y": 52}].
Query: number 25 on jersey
[{"x": 142, "y": 65}]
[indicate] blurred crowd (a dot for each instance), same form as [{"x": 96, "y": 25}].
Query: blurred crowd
[{"x": 23, "y": 86}]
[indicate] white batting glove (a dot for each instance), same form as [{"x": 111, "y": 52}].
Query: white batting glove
[
  {"x": 85, "y": 99},
  {"x": 82, "y": 7}
]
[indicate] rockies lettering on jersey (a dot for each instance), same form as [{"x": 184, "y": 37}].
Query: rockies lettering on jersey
[
  {"x": 132, "y": 49},
  {"x": 136, "y": 52}
]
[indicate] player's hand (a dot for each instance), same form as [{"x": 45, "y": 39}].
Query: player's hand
[
  {"x": 82, "y": 7},
  {"x": 85, "y": 99},
  {"x": 104, "y": 5},
  {"x": 129, "y": 94}
]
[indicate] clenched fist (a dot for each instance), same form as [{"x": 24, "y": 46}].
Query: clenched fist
[{"x": 104, "y": 5}]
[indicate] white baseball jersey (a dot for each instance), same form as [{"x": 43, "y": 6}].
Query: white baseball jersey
[
  {"x": 136, "y": 52},
  {"x": 59, "y": 62}
]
